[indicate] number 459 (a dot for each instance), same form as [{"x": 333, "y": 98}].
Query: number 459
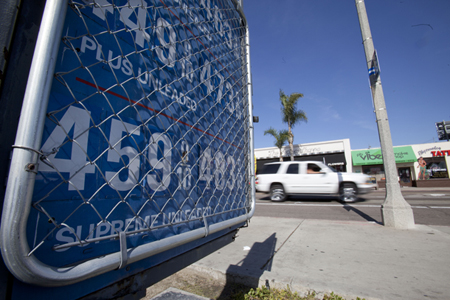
[{"x": 78, "y": 166}]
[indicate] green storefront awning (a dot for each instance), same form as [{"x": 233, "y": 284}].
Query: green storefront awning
[{"x": 374, "y": 157}]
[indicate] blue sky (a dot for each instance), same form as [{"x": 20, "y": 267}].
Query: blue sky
[{"x": 315, "y": 48}]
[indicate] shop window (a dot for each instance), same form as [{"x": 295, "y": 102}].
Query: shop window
[
  {"x": 373, "y": 170},
  {"x": 404, "y": 174},
  {"x": 435, "y": 168},
  {"x": 339, "y": 168}
]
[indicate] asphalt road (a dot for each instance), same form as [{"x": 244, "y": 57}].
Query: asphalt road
[{"x": 429, "y": 207}]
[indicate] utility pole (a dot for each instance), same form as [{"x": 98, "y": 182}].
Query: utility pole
[{"x": 395, "y": 210}]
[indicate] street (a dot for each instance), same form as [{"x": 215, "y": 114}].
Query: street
[{"x": 430, "y": 207}]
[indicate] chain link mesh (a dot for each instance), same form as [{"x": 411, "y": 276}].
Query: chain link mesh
[{"x": 147, "y": 128}]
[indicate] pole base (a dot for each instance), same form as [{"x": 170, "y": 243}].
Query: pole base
[{"x": 398, "y": 217}]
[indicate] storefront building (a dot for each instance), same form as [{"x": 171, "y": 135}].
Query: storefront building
[
  {"x": 336, "y": 154},
  {"x": 417, "y": 165}
]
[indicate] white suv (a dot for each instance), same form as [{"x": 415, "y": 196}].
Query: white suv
[{"x": 282, "y": 179}]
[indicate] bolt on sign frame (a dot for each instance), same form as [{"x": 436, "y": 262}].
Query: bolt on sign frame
[{"x": 135, "y": 137}]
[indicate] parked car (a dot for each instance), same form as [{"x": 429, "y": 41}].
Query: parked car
[{"x": 282, "y": 179}]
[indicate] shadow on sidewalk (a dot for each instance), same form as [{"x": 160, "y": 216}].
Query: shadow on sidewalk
[
  {"x": 348, "y": 207},
  {"x": 245, "y": 274}
]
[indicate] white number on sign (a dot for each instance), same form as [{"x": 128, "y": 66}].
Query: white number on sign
[
  {"x": 231, "y": 179},
  {"x": 164, "y": 28},
  {"x": 219, "y": 173},
  {"x": 115, "y": 155},
  {"x": 127, "y": 15},
  {"x": 220, "y": 168},
  {"x": 77, "y": 119},
  {"x": 206, "y": 173},
  {"x": 160, "y": 158},
  {"x": 184, "y": 171}
]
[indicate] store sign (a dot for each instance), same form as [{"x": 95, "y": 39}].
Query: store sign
[
  {"x": 427, "y": 151},
  {"x": 336, "y": 164},
  {"x": 297, "y": 151},
  {"x": 440, "y": 153},
  {"x": 375, "y": 157}
]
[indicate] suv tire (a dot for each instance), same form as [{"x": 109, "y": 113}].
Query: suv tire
[
  {"x": 348, "y": 192},
  {"x": 277, "y": 193}
]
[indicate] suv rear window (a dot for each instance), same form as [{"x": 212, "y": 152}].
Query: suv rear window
[{"x": 269, "y": 169}]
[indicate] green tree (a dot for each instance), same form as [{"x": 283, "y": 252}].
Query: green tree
[
  {"x": 281, "y": 138},
  {"x": 291, "y": 115}
]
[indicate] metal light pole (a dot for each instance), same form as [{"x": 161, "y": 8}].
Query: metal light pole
[{"x": 395, "y": 210}]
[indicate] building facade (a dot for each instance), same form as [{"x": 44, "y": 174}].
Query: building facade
[{"x": 417, "y": 165}]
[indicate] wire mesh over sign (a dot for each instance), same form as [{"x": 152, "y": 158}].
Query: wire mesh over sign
[{"x": 147, "y": 134}]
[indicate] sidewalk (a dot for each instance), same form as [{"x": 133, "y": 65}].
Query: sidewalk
[{"x": 351, "y": 259}]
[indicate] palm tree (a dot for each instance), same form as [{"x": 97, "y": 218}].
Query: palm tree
[
  {"x": 280, "y": 138},
  {"x": 291, "y": 115}
]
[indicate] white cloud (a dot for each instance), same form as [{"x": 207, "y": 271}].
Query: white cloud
[
  {"x": 370, "y": 125},
  {"x": 329, "y": 113}
]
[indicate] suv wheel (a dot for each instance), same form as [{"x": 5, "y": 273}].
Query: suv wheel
[
  {"x": 277, "y": 193},
  {"x": 347, "y": 192}
]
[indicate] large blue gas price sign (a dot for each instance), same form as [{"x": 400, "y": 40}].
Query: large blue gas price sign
[{"x": 146, "y": 127}]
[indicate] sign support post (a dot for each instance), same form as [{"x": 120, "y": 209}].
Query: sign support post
[
  {"x": 445, "y": 130},
  {"x": 395, "y": 210}
]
